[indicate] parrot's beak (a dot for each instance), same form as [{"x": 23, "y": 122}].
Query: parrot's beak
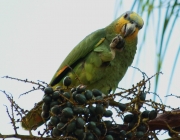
[{"x": 128, "y": 29}]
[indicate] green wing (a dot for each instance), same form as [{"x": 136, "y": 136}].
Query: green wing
[{"x": 80, "y": 51}]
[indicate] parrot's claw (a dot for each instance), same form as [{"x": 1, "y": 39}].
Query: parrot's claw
[{"x": 118, "y": 43}]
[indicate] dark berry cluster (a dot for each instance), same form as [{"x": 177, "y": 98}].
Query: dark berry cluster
[{"x": 76, "y": 113}]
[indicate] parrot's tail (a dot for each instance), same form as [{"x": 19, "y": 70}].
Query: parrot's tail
[{"x": 33, "y": 118}]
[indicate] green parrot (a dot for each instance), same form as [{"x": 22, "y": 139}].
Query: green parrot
[{"x": 99, "y": 61}]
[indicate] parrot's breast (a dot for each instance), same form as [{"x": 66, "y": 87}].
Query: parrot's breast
[{"x": 115, "y": 71}]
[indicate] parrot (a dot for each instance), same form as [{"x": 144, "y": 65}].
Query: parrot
[{"x": 99, "y": 61}]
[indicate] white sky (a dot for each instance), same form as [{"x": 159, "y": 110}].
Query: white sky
[{"x": 36, "y": 36}]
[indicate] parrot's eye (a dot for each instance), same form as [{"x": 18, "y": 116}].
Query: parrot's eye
[
  {"x": 125, "y": 16},
  {"x": 139, "y": 26}
]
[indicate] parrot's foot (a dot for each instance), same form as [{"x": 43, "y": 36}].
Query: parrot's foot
[{"x": 118, "y": 43}]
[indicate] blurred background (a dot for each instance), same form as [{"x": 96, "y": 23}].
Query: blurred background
[{"x": 36, "y": 36}]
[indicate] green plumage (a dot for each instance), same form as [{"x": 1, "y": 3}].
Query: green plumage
[
  {"x": 96, "y": 62},
  {"x": 91, "y": 70}
]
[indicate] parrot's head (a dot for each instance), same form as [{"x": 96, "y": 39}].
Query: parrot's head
[{"x": 128, "y": 25}]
